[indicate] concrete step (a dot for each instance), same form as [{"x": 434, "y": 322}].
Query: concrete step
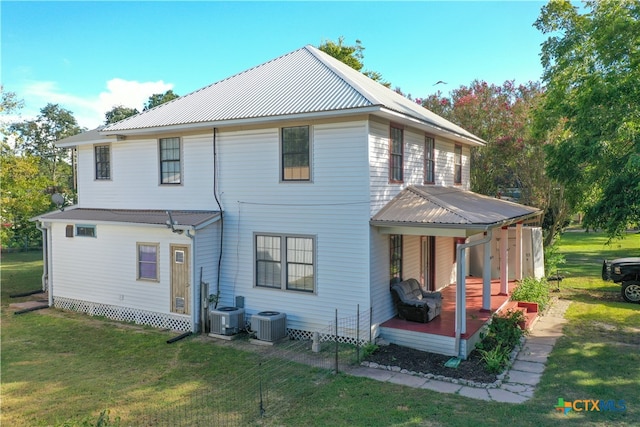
[{"x": 529, "y": 309}]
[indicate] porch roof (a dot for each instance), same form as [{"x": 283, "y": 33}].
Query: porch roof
[
  {"x": 181, "y": 218},
  {"x": 449, "y": 208}
]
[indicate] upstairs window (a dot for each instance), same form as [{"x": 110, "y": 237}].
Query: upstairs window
[
  {"x": 86, "y": 230},
  {"x": 457, "y": 164},
  {"x": 296, "y": 154},
  {"x": 429, "y": 160},
  {"x": 170, "y": 167},
  {"x": 102, "y": 155},
  {"x": 396, "y": 155}
]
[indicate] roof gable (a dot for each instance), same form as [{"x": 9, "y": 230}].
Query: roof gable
[{"x": 305, "y": 81}]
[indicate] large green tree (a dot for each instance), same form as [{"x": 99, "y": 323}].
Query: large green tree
[
  {"x": 513, "y": 157},
  {"x": 38, "y": 137},
  {"x": 119, "y": 112},
  {"x": 591, "y": 108},
  {"x": 159, "y": 98},
  {"x": 352, "y": 55}
]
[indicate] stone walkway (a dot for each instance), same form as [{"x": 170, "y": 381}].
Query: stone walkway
[{"x": 518, "y": 383}]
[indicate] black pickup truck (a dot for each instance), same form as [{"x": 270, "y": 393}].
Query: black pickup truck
[{"x": 625, "y": 271}]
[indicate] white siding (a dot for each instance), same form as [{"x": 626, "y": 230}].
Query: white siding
[
  {"x": 333, "y": 208},
  {"x": 104, "y": 269},
  {"x": 411, "y": 257},
  {"x": 445, "y": 265},
  {"x": 135, "y": 178}
]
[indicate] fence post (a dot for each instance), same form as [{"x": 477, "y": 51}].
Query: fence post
[
  {"x": 358, "y": 334},
  {"x": 336, "y": 339}
]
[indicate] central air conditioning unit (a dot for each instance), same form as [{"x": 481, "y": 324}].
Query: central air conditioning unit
[
  {"x": 226, "y": 320},
  {"x": 269, "y": 325}
]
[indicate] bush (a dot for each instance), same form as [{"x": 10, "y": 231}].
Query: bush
[
  {"x": 533, "y": 290},
  {"x": 503, "y": 335}
]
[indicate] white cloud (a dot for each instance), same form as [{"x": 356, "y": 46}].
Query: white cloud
[{"x": 89, "y": 111}]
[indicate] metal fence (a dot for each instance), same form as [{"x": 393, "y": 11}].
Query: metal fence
[{"x": 265, "y": 392}]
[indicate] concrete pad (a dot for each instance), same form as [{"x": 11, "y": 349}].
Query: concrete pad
[
  {"x": 519, "y": 377},
  {"x": 543, "y": 340},
  {"x": 408, "y": 380},
  {"x": 534, "y": 353},
  {"x": 374, "y": 374},
  {"x": 505, "y": 396},
  {"x": 526, "y": 366},
  {"x": 474, "y": 393},
  {"x": 441, "y": 386},
  {"x": 516, "y": 388}
]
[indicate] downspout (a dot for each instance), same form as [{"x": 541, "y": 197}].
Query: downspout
[
  {"x": 45, "y": 262},
  {"x": 195, "y": 294},
  {"x": 461, "y": 306}
]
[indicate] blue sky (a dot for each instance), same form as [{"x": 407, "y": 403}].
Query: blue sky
[{"x": 90, "y": 56}]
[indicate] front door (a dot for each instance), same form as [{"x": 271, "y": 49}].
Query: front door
[
  {"x": 428, "y": 244},
  {"x": 180, "y": 286}
]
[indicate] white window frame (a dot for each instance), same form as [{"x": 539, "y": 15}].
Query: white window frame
[
  {"x": 179, "y": 160},
  {"x": 138, "y": 262},
  {"x": 87, "y": 227},
  {"x": 281, "y": 155},
  {"x": 285, "y": 263}
]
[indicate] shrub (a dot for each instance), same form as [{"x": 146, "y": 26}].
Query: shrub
[
  {"x": 503, "y": 335},
  {"x": 494, "y": 359},
  {"x": 532, "y": 290}
]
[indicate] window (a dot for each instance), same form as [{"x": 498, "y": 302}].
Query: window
[
  {"x": 296, "y": 154},
  {"x": 395, "y": 257},
  {"x": 429, "y": 160},
  {"x": 86, "y": 230},
  {"x": 148, "y": 261},
  {"x": 103, "y": 162},
  {"x": 285, "y": 262},
  {"x": 170, "y": 172},
  {"x": 396, "y": 151},
  {"x": 457, "y": 164}
]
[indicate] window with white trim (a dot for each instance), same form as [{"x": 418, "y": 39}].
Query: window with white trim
[
  {"x": 148, "y": 261},
  {"x": 396, "y": 155},
  {"x": 102, "y": 154},
  {"x": 457, "y": 164},
  {"x": 285, "y": 262},
  {"x": 429, "y": 160},
  {"x": 84, "y": 230},
  {"x": 295, "y": 148},
  {"x": 170, "y": 165}
]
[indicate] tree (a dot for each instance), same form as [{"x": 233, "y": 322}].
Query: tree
[
  {"x": 591, "y": 110},
  {"x": 353, "y": 56},
  {"x": 159, "y": 98},
  {"x": 38, "y": 137},
  {"x": 513, "y": 157},
  {"x": 119, "y": 112}
]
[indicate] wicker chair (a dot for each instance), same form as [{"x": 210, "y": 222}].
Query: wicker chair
[{"x": 415, "y": 304}]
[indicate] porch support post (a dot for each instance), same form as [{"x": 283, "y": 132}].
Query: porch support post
[
  {"x": 519, "y": 251},
  {"x": 504, "y": 261},
  {"x": 461, "y": 297},
  {"x": 486, "y": 276}
]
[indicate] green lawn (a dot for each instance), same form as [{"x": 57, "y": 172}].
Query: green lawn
[{"x": 61, "y": 368}]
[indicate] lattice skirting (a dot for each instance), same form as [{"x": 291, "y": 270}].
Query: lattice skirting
[
  {"x": 350, "y": 338},
  {"x": 174, "y": 322}
]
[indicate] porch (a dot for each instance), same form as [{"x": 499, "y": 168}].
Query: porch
[{"x": 439, "y": 335}]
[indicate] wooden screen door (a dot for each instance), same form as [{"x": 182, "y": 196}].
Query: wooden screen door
[
  {"x": 428, "y": 250},
  {"x": 180, "y": 286}
]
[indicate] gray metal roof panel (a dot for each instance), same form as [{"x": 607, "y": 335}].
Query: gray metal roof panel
[
  {"x": 451, "y": 206},
  {"x": 134, "y": 216},
  {"x": 306, "y": 80}
]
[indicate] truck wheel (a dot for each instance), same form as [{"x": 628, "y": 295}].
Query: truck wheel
[{"x": 631, "y": 291}]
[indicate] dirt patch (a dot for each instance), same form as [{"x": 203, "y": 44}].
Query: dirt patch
[{"x": 472, "y": 369}]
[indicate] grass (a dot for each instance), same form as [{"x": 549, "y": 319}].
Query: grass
[{"x": 62, "y": 368}]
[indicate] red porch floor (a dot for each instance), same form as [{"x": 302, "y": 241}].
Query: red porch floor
[{"x": 444, "y": 324}]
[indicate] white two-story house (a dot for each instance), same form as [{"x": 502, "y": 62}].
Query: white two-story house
[{"x": 299, "y": 185}]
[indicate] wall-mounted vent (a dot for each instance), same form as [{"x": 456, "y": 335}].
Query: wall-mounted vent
[
  {"x": 226, "y": 320},
  {"x": 269, "y": 325},
  {"x": 69, "y": 230}
]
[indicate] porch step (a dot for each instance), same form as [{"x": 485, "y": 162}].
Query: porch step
[{"x": 529, "y": 309}]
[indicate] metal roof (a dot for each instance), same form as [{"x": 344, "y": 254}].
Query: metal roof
[
  {"x": 449, "y": 207},
  {"x": 304, "y": 81},
  {"x": 194, "y": 219}
]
